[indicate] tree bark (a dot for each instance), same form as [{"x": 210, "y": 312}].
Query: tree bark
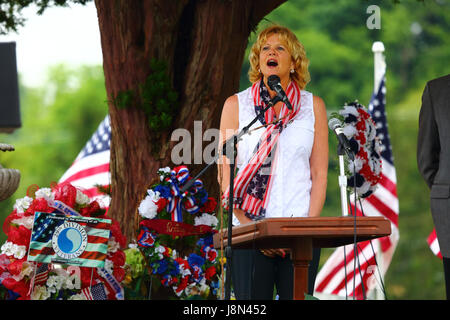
[{"x": 203, "y": 43}]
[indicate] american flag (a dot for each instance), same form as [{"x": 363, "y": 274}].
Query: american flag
[
  {"x": 91, "y": 166},
  {"x": 94, "y": 254},
  {"x": 96, "y": 292},
  {"x": 338, "y": 276},
  {"x": 41, "y": 274},
  {"x": 434, "y": 244}
]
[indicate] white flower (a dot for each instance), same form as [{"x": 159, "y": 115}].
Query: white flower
[
  {"x": 349, "y": 131},
  {"x": 148, "y": 208},
  {"x": 206, "y": 219},
  {"x": 45, "y": 193},
  {"x": 40, "y": 293},
  {"x": 82, "y": 199},
  {"x": 23, "y": 204},
  {"x": 77, "y": 296},
  {"x": 113, "y": 245},
  {"x": 163, "y": 172},
  {"x": 12, "y": 249},
  {"x": 109, "y": 266},
  {"x": 349, "y": 110},
  {"x": 355, "y": 165},
  {"x": 19, "y": 251},
  {"x": 27, "y": 222}
]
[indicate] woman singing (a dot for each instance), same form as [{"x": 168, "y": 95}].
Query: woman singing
[{"x": 282, "y": 165}]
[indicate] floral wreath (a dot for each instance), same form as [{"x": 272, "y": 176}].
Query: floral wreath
[
  {"x": 177, "y": 224},
  {"x": 364, "y": 172},
  {"x": 27, "y": 280}
]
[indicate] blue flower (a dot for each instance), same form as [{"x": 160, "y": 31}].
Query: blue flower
[
  {"x": 205, "y": 241},
  {"x": 195, "y": 260},
  {"x": 164, "y": 191},
  {"x": 159, "y": 267},
  {"x": 175, "y": 270}
]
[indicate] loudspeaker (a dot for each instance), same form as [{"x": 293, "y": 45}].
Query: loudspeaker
[{"x": 9, "y": 89}]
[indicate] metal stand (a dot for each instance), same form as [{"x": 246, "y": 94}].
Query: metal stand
[{"x": 342, "y": 180}]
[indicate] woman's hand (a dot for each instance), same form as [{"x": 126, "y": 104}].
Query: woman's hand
[{"x": 272, "y": 253}]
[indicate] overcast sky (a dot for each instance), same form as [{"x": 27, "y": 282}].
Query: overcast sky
[{"x": 60, "y": 35}]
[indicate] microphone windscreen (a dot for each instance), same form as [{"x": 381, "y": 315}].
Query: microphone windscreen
[
  {"x": 334, "y": 123},
  {"x": 272, "y": 80}
]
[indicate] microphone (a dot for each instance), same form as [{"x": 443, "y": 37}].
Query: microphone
[
  {"x": 335, "y": 126},
  {"x": 274, "y": 83}
]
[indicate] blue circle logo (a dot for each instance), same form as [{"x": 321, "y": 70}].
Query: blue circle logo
[{"x": 69, "y": 240}]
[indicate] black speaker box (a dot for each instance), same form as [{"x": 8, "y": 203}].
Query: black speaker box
[{"x": 9, "y": 89}]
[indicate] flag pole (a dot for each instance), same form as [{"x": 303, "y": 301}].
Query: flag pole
[
  {"x": 379, "y": 69},
  {"x": 379, "y": 64}
]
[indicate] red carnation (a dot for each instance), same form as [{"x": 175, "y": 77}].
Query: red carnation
[
  {"x": 19, "y": 235},
  {"x": 39, "y": 205},
  {"x": 20, "y": 287},
  {"x": 119, "y": 273},
  {"x": 161, "y": 203},
  {"x": 116, "y": 232},
  {"x": 183, "y": 284},
  {"x": 15, "y": 268},
  {"x": 210, "y": 205},
  {"x": 66, "y": 193},
  {"x": 210, "y": 272},
  {"x": 118, "y": 258},
  {"x": 93, "y": 207}
]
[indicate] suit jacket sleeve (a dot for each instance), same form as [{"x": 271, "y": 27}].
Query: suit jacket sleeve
[{"x": 428, "y": 146}]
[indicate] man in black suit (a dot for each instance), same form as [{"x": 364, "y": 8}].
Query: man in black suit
[{"x": 433, "y": 159}]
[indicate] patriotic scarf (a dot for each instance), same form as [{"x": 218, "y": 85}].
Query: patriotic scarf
[{"x": 252, "y": 183}]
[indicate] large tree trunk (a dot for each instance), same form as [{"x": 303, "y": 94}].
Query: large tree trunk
[{"x": 203, "y": 43}]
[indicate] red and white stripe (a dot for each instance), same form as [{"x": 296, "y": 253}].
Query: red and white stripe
[
  {"x": 434, "y": 244},
  {"x": 331, "y": 278},
  {"x": 267, "y": 142},
  {"x": 87, "y": 172}
]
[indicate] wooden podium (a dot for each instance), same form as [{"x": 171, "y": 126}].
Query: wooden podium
[{"x": 301, "y": 235}]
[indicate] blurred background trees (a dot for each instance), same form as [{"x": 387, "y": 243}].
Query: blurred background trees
[{"x": 60, "y": 116}]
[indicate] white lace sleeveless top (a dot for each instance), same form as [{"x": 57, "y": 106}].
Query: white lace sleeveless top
[{"x": 291, "y": 183}]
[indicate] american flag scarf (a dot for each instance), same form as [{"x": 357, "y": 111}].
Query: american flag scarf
[{"x": 252, "y": 183}]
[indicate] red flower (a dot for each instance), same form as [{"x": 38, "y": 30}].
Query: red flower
[
  {"x": 20, "y": 287},
  {"x": 210, "y": 272},
  {"x": 15, "y": 268},
  {"x": 183, "y": 284},
  {"x": 19, "y": 235},
  {"x": 118, "y": 258},
  {"x": 66, "y": 193},
  {"x": 119, "y": 273},
  {"x": 92, "y": 208},
  {"x": 116, "y": 232},
  {"x": 161, "y": 203},
  {"x": 210, "y": 205},
  {"x": 40, "y": 205}
]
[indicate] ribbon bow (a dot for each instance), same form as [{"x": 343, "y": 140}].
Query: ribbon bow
[{"x": 187, "y": 200}]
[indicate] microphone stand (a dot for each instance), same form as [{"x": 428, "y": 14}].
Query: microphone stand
[
  {"x": 342, "y": 179},
  {"x": 230, "y": 145}
]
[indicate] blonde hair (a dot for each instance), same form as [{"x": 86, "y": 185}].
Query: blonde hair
[{"x": 297, "y": 51}]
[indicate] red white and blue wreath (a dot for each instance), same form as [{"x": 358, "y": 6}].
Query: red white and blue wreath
[
  {"x": 364, "y": 171},
  {"x": 176, "y": 234},
  {"x": 24, "y": 280}
]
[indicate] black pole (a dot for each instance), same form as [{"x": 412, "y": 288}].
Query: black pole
[
  {"x": 228, "y": 251},
  {"x": 230, "y": 151}
]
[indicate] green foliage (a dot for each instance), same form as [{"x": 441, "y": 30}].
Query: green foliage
[
  {"x": 57, "y": 121},
  {"x": 158, "y": 99}
]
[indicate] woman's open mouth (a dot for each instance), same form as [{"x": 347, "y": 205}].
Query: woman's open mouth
[{"x": 272, "y": 63}]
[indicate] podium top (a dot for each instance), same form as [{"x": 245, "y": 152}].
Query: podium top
[{"x": 324, "y": 232}]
